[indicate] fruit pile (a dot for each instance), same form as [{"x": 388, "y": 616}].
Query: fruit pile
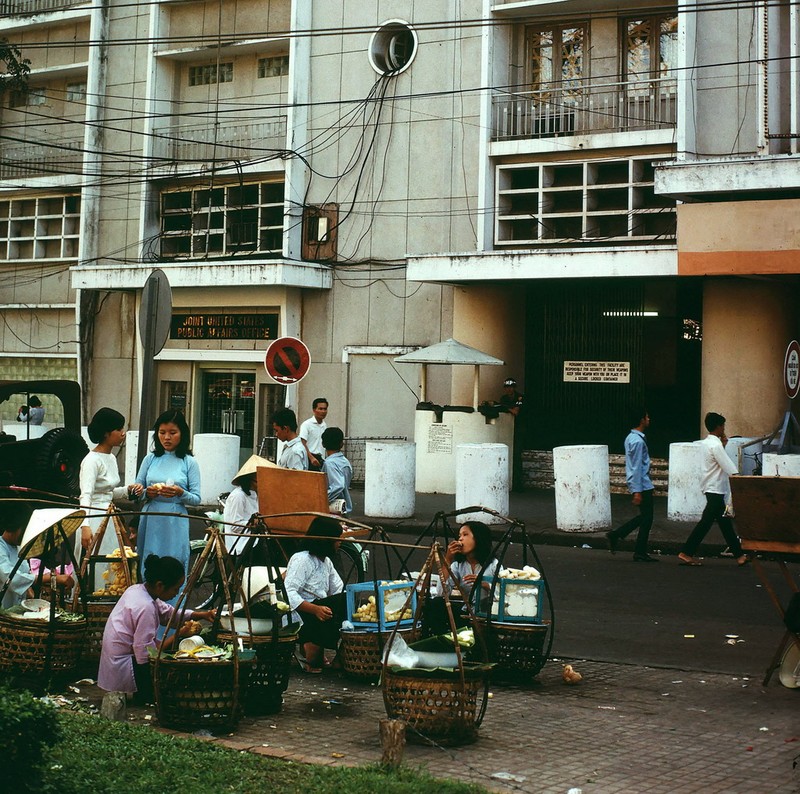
[{"x": 117, "y": 585}]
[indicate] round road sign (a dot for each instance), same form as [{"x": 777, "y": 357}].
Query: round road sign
[
  {"x": 287, "y": 360},
  {"x": 791, "y": 370}
]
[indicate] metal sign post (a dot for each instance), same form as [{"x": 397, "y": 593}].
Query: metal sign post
[{"x": 155, "y": 315}]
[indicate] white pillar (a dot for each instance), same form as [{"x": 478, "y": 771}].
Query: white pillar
[
  {"x": 481, "y": 479},
  {"x": 582, "y": 487},
  {"x": 389, "y": 479},
  {"x": 217, "y": 454},
  {"x": 685, "y": 500},
  {"x": 748, "y": 460},
  {"x": 131, "y": 448},
  {"x": 775, "y": 465}
]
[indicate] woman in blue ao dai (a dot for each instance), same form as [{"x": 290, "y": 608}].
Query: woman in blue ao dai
[{"x": 168, "y": 480}]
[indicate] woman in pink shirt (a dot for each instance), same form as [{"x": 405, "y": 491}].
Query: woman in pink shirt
[{"x": 132, "y": 626}]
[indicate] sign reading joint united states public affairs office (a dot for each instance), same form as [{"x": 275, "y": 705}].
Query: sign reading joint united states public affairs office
[
  {"x": 597, "y": 372},
  {"x": 204, "y": 325}
]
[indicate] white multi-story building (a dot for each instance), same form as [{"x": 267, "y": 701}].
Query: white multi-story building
[{"x": 557, "y": 183}]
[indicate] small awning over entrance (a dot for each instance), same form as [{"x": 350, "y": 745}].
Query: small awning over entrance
[{"x": 449, "y": 352}]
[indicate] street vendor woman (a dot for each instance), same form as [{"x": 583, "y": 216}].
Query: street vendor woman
[
  {"x": 314, "y": 589},
  {"x": 14, "y": 517},
  {"x": 132, "y": 626}
]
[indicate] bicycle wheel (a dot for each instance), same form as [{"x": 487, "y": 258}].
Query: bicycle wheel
[
  {"x": 208, "y": 580},
  {"x": 351, "y": 562}
]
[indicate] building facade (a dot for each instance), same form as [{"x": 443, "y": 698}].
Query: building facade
[{"x": 601, "y": 197}]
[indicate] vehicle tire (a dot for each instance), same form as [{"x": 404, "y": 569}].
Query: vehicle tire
[{"x": 58, "y": 461}]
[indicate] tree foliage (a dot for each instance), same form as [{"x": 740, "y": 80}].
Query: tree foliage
[{"x": 17, "y": 68}]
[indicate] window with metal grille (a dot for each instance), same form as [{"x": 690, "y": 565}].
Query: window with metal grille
[
  {"x": 208, "y": 74},
  {"x": 76, "y": 92},
  {"x": 273, "y": 67},
  {"x": 236, "y": 219},
  {"x": 651, "y": 50},
  {"x": 46, "y": 227}
]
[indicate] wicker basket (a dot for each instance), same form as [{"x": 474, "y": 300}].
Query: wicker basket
[
  {"x": 436, "y": 706},
  {"x": 24, "y": 646},
  {"x": 269, "y": 677},
  {"x": 361, "y": 651},
  {"x": 516, "y": 649},
  {"x": 97, "y": 613},
  {"x": 199, "y": 694}
]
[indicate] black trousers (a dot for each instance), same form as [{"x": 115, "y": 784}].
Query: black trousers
[
  {"x": 644, "y": 522},
  {"x": 325, "y": 633},
  {"x": 714, "y": 511}
]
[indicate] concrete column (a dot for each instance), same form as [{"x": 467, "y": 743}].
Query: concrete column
[
  {"x": 685, "y": 500},
  {"x": 131, "y": 447},
  {"x": 481, "y": 479},
  {"x": 389, "y": 479},
  {"x": 582, "y": 487},
  {"x": 217, "y": 454},
  {"x": 775, "y": 465},
  {"x": 748, "y": 461}
]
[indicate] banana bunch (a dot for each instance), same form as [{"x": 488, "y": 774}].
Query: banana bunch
[
  {"x": 528, "y": 572},
  {"x": 117, "y": 585}
]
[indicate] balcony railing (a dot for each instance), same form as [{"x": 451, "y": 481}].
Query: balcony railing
[
  {"x": 583, "y": 108},
  {"x": 22, "y": 7},
  {"x": 38, "y": 159},
  {"x": 250, "y": 141}
]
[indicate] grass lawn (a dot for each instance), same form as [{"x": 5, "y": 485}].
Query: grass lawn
[{"x": 97, "y": 756}]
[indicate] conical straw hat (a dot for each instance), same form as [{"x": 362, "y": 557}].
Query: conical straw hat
[
  {"x": 251, "y": 464},
  {"x": 41, "y": 520}
]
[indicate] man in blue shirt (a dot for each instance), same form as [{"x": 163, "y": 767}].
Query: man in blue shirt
[{"x": 637, "y": 475}]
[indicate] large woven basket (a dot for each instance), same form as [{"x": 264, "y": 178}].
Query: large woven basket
[
  {"x": 191, "y": 695},
  {"x": 29, "y": 647},
  {"x": 516, "y": 649},
  {"x": 437, "y": 706},
  {"x": 97, "y": 613},
  {"x": 269, "y": 676},
  {"x": 361, "y": 651}
]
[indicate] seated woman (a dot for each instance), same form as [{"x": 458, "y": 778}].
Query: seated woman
[
  {"x": 315, "y": 592},
  {"x": 242, "y": 503},
  {"x": 466, "y": 557},
  {"x": 132, "y": 625}
]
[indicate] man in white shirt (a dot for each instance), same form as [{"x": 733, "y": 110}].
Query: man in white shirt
[
  {"x": 311, "y": 433},
  {"x": 284, "y": 425},
  {"x": 716, "y": 470}
]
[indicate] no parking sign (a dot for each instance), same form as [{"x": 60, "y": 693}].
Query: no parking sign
[{"x": 287, "y": 360}]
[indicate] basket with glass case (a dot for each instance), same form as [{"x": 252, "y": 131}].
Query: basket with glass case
[
  {"x": 517, "y": 597},
  {"x": 374, "y": 606}
]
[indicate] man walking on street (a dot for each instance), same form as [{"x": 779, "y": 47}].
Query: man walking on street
[
  {"x": 311, "y": 433},
  {"x": 715, "y": 474},
  {"x": 284, "y": 425},
  {"x": 637, "y": 476}
]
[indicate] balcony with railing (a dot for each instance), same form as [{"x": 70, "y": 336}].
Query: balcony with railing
[
  {"x": 254, "y": 140},
  {"x": 35, "y": 159},
  {"x": 10, "y": 8},
  {"x": 581, "y": 108}
]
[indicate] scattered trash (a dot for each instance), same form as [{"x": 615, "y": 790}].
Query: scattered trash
[
  {"x": 57, "y": 766},
  {"x": 337, "y": 755},
  {"x": 609, "y": 708},
  {"x": 89, "y": 681},
  {"x": 732, "y": 636},
  {"x": 508, "y": 776},
  {"x": 569, "y": 675},
  {"x": 749, "y": 749},
  {"x": 763, "y": 729},
  {"x": 265, "y": 745},
  {"x": 150, "y": 717},
  {"x": 731, "y": 642},
  {"x": 202, "y": 733},
  {"x": 490, "y": 695},
  {"x": 273, "y": 726},
  {"x": 793, "y": 739},
  {"x": 575, "y": 791},
  {"x": 688, "y": 636},
  {"x": 586, "y": 546},
  {"x": 74, "y": 689},
  {"x": 665, "y": 694},
  {"x": 677, "y": 682}
]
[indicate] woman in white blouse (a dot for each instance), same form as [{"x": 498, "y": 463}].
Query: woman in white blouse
[
  {"x": 242, "y": 503},
  {"x": 467, "y": 557},
  {"x": 315, "y": 592},
  {"x": 99, "y": 477}
]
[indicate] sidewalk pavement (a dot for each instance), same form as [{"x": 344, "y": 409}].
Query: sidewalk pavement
[
  {"x": 537, "y": 510},
  {"x": 623, "y": 730}
]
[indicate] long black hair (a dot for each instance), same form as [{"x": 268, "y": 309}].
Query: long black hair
[
  {"x": 177, "y": 418},
  {"x": 166, "y": 570},
  {"x": 483, "y": 542},
  {"x": 329, "y": 530}
]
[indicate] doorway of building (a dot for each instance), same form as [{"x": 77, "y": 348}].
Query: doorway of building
[{"x": 228, "y": 405}]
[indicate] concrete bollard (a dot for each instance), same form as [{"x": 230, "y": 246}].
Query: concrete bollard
[
  {"x": 390, "y": 479},
  {"x": 217, "y": 455},
  {"x": 582, "y": 487},
  {"x": 776, "y": 465},
  {"x": 685, "y": 500},
  {"x": 131, "y": 448},
  {"x": 481, "y": 479},
  {"x": 748, "y": 460}
]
